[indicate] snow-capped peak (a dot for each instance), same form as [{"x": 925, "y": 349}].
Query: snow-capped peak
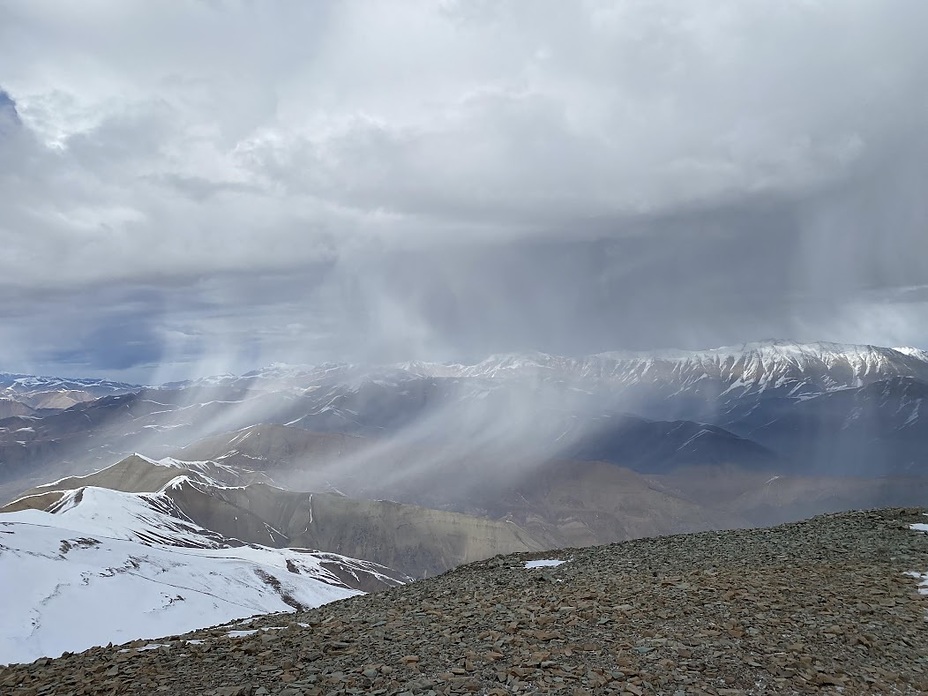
[{"x": 912, "y": 352}]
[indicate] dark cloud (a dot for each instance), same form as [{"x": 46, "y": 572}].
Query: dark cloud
[
  {"x": 8, "y": 116},
  {"x": 116, "y": 345}
]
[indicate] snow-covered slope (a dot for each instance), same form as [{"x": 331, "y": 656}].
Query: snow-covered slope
[{"x": 104, "y": 566}]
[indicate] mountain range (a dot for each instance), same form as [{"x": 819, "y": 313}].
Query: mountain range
[{"x": 418, "y": 467}]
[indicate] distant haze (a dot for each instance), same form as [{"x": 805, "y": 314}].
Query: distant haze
[{"x": 192, "y": 188}]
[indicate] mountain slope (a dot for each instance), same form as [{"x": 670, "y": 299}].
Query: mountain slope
[
  {"x": 453, "y": 513},
  {"x": 102, "y": 566},
  {"x": 829, "y": 605},
  {"x": 417, "y": 540}
]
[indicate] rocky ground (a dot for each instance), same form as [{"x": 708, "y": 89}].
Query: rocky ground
[{"x": 818, "y": 606}]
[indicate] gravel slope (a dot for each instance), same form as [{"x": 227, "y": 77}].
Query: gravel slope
[{"x": 818, "y": 606}]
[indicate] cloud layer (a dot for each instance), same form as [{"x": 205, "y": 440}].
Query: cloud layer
[{"x": 206, "y": 185}]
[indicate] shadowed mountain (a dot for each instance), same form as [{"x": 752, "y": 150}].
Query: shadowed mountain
[
  {"x": 879, "y": 429},
  {"x": 276, "y": 448},
  {"x": 661, "y": 446},
  {"x": 573, "y": 502}
]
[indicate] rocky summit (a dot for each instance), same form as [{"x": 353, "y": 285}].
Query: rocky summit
[{"x": 828, "y": 605}]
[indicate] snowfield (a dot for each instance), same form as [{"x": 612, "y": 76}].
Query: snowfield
[{"x": 105, "y": 566}]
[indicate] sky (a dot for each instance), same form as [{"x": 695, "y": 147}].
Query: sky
[{"x": 199, "y": 187}]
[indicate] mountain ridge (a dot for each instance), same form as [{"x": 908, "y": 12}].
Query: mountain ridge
[
  {"x": 417, "y": 540},
  {"x": 770, "y": 350}
]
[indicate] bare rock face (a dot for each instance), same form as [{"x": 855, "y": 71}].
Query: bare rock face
[
  {"x": 418, "y": 541},
  {"x": 822, "y": 606}
]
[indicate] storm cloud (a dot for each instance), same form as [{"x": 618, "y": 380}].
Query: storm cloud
[{"x": 199, "y": 187}]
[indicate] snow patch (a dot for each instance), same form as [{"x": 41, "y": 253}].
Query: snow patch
[
  {"x": 544, "y": 563},
  {"x": 922, "y": 578}
]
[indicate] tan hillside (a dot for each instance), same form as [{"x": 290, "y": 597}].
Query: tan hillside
[
  {"x": 137, "y": 474},
  {"x": 418, "y": 541}
]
